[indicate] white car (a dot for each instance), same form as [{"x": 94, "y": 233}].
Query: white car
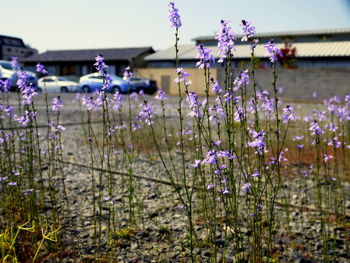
[
  {"x": 57, "y": 84},
  {"x": 8, "y": 72}
]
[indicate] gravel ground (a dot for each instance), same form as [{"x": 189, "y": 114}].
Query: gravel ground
[{"x": 160, "y": 235}]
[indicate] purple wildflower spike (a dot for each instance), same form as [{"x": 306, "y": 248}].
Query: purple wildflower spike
[
  {"x": 226, "y": 40},
  {"x": 174, "y": 16},
  {"x": 57, "y": 104},
  {"x": 248, "y": 30},
  {"x": 127, "y": 74},
  {"x": 40, "y": 68},
  {"x": 273, "y": 51},
  {"x": 204, "y": 56}
]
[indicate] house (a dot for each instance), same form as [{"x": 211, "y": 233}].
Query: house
[
  {"x": 81, "y": 62},
  {"x": 321, "y": 63},
  {"x": 13, "y": 46}
]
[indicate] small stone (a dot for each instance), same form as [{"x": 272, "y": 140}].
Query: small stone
[{"x": 134, "y": 246}]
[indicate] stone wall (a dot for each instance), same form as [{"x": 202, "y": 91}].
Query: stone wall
[
  {"x": 301, "y": 83},
  {"x": 297, "y": 83}
]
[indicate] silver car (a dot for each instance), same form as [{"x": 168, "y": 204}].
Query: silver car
[
  {"x": 8, "y": 72},
  {"x": 57, "y": 84}
]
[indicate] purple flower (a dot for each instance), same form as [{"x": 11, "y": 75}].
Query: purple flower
[
  {"x": 239, "y": 115},
  {"x": 57, "y": 104},
  {"x": 100, "y": 65},
  {"x": 226, "y": 40},
  {"x": 55, "y": 130},
  {"x": 210, "y": 157},
  {"x": 246, "y": 187},
  {"x": 315, "y": 128},
  {"x": 258, "y": 141},
  {"x": 331, "y": 127},
  {"x": 216, "y": 87},
  {"x": 12, "y": 183},
  {"x": 161, "y": 96},
  {"x": 241, "y": 80},
  {"x": 256, "y": 174},
  {"x": 40, "y": 68},
  {"x": 305, "y": 173},
  {"x": 146, "y": 114},
  {"x": 15, "y": 63},
  {"x": 181, "y": 76},
  {"x": 327, "y": 157},
  {"x": 2, "y": 179},
  {"x": 117, "y": 101},
  {"x": 28, "y": 91},
  {"x": 288, "y": 113},
  {"x": 252, "y": 106},
  {"x": 211, "y": 186},
  {"x": 217, "y": 113},
  {"x": 88, "y": 102},
  {"x": 174, "y": 16},
  {"x": 205, "y": 58},
  {"x": 300, "y": 146},
  {"x": 26, "y": 118},
  {"x": 196, "y": 164},
  {"x": 298, "y": 138},
  {"x": 28, "y": 191},
  {"x": 127, "y": 74},
  {"x": 248, "y": 30},
  {"x": 8, "y": 110},
  {"x": 273, "y": 51},
  {"x": 194, "y": 104},
  {"x": 110, "y": 199},
  {"x": 334, "y": 142},
  {"x": 267, "y": 104},
  {"x": 5, "y": 85},
  {"x": 217, "y": 143},
  {"x": 225, "y": 191}
]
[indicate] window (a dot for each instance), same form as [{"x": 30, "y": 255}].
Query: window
[
  {"x": 6, "y": 65},
  {"x": 96, "y": 77},
  {"x": 69, "y": 70}
]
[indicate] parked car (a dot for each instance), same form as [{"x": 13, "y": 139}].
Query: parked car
[
  {"x": 93, "y": 82},
  {"x": 8, "y": 72},
  {"x": 58, "y": 84},
  {"x": 147, "y": 85}
]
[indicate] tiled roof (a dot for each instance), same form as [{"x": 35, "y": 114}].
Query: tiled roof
[
  {"x": 292, "y": 33},
  {"x": 89, "y": 54},
  {"x": 310, "y": 49},
  {"x": 169, "y": 54}
]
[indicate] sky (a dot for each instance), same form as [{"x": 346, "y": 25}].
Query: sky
[{"x": 82, "y": 24}]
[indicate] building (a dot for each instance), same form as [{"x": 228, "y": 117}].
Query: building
[
  {"x": 314, "y": 49},
  {"x": 13, "y": 46},
  {"x": 81, "y": 62},
  {"x": 321, "y": 63}
]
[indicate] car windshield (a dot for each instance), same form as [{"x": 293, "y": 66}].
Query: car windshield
[
  {"x": 62, "y": 79},
  {"x": 116, "y": 78},
  {"x": 6, "y": 65}
]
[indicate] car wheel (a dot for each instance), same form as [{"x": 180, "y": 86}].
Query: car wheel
[
  {"x": 138, "y": 89},
  {"x": 85, "y": 89},
  {"x": 116, "y": 89},
  {"x": 64, "y": 89}
]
